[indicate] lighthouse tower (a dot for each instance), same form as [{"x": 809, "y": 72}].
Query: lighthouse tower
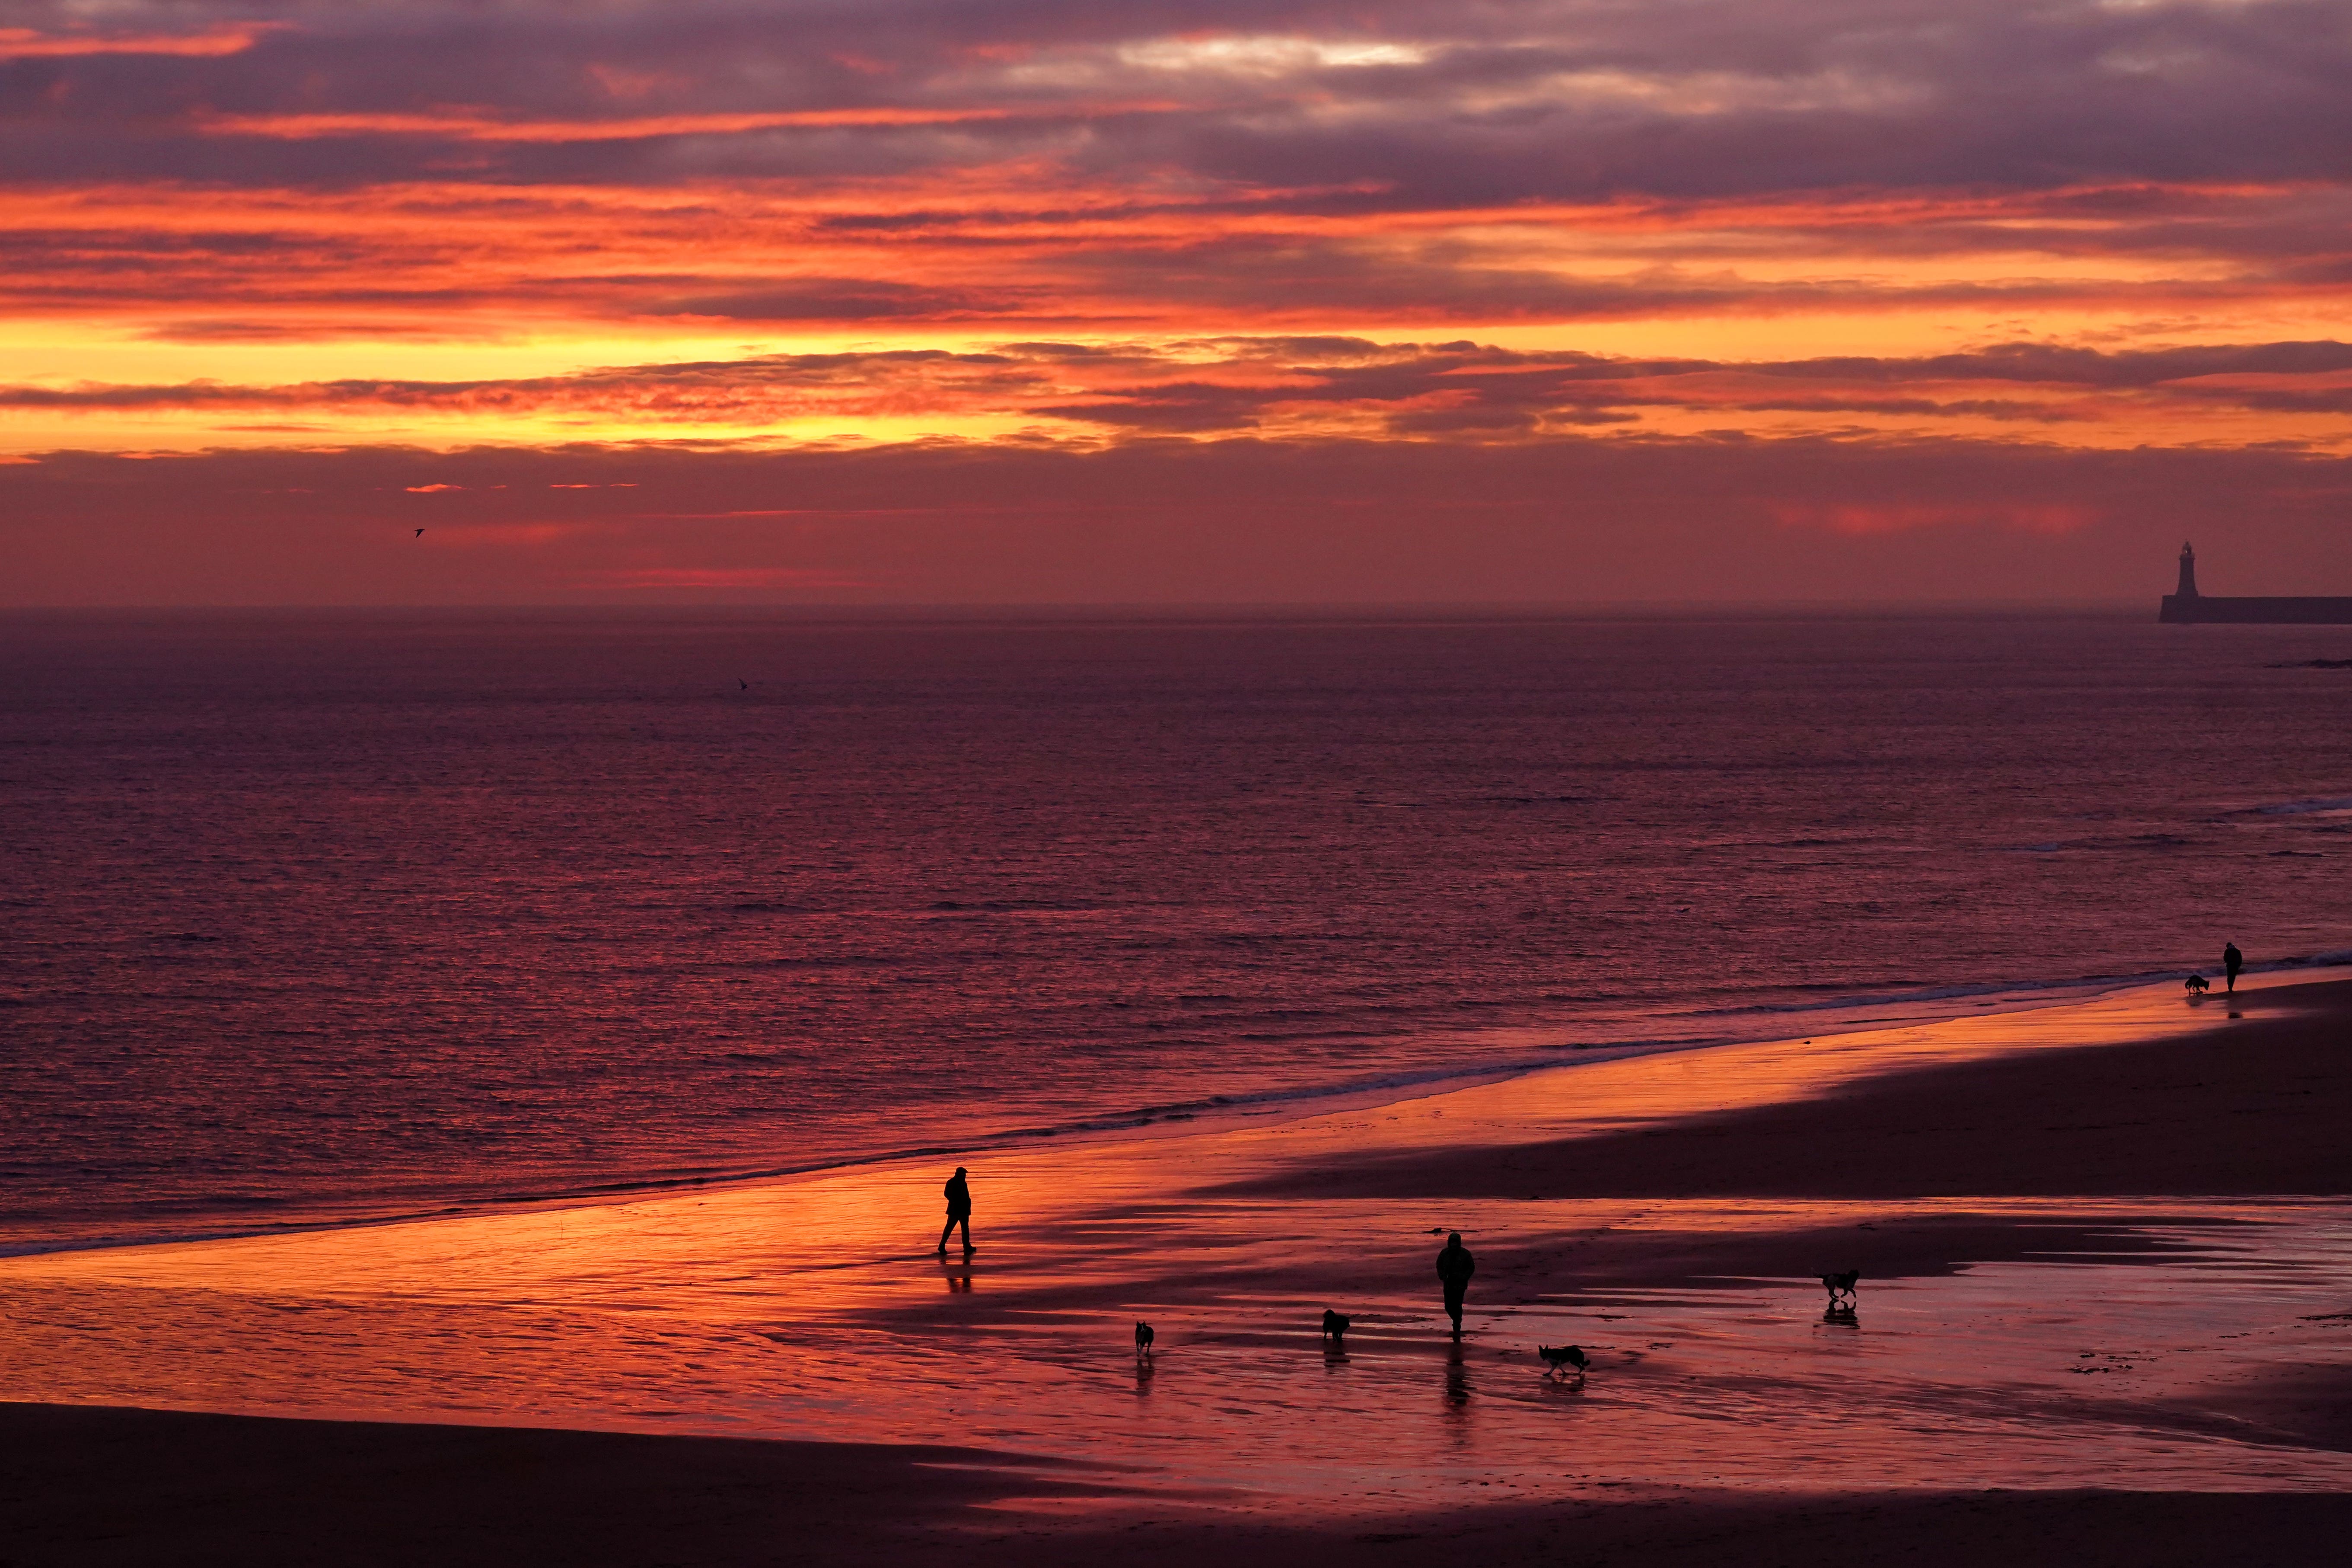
[{"x": 2188, "y": 607}]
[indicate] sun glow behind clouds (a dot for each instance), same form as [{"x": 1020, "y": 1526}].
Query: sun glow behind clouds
[
  {"x": 1090, "y": 393},
  {"x": 1265, "y": 55},
  {"x": 549, "y": 292}
]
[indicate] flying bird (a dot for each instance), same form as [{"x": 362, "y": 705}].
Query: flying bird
[
  {"x": 743, "y": 683},
  {"x": 420, "y": 533}
]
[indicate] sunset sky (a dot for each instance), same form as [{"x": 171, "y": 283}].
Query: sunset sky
[{"x": 1172, "y": 301}]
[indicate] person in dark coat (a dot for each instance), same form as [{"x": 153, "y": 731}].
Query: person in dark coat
[
  {"x": 1454, "y": 1267},
  {"x": 2233, "y": 961},
  {"x": 958, "y": 1212}
]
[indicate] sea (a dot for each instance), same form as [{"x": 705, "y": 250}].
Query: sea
[{"x": 309, "y": 917}]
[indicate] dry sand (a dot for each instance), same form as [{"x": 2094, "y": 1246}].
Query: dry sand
[{"x": 2256, "y": 1106}]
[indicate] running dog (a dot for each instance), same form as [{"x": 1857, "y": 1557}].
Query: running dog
[
  {"x": 1143, "y": 1338},
  {"x": 1335, "y": 1326},
  {"x": 1840, "y": 1284},
  {"x": 1562, "y": 1359}
]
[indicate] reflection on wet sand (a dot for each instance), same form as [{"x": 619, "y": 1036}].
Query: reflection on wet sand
[{"x": 2024, "y": 1342}]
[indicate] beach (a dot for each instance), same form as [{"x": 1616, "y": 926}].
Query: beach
[
  {"x": 221, "y": 1489},
  {"x": 1461, "y": 721},
  {"x": 2107, "y": 1305}
]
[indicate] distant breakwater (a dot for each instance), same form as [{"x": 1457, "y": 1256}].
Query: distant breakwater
[{"x": 2190, "y": 609}]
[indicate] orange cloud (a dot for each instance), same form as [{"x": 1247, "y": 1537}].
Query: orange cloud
[
  {"x": 1036, "y": 252},
  {"x": 464, "y": 126},
  {"x": 24, "y": 43}
]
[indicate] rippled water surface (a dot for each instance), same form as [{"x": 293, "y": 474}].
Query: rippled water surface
[{"x": 310, "y": 916}]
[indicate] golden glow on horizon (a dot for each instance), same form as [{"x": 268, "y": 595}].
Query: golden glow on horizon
[{"x": 455, "y": 284}]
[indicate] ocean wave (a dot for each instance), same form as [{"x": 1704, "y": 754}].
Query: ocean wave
[
  {"x": 2137, "y": 841},
  {"x": 2302, "y": 807}
]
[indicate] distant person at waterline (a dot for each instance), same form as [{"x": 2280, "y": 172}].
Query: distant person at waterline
[
  {"x": 1454, "y": 1267},
  {"x": 958, "y": 1212},
  {"x": 2233, "y": 961}
]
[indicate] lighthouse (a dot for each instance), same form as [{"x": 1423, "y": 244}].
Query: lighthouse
[{"x": 2189, "y": 607}]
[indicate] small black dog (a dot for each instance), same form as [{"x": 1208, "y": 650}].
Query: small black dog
[
  {"x": 1563, "y": 1358},
  {"x": 2196, "y": 985},
  {"x": 1840, "y": 1284},
  {"x": 1143, "y": 1337},
  {"x": 1335, "y": 1326}
]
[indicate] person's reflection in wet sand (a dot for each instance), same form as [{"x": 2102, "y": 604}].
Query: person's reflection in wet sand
[
  {"x": 1457, "y": 1381},
  {"x": 957, "y": 1283}
]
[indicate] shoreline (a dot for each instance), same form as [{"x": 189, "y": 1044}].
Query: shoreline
[
  {"x": 1209, "y": 1118},
  {"x": 2157, "y": 1126}
]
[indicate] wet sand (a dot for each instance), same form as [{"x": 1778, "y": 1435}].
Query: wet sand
[
  {"x": 2257, "y": 1105},
  {"x": 2107, "y": 1310},
  {"x": 99, "y": 1488}
]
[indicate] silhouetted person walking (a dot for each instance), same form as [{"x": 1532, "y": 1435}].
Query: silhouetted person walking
[
  {"x": 2233, "y": 961},
  {"x": 1454, "y": 1267},
  {"x": 959, "y": 1211}
]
